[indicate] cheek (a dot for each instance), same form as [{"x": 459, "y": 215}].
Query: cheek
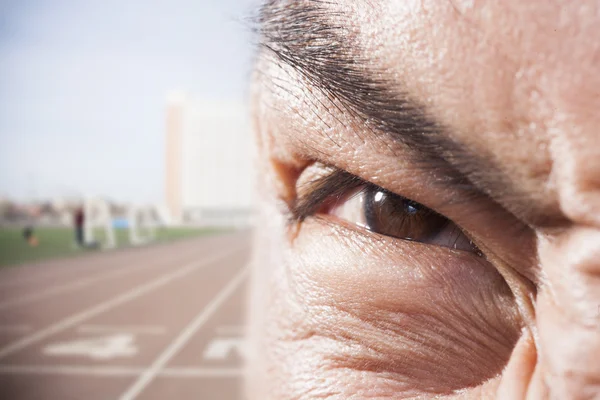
[{"x": 403, "y": 316}]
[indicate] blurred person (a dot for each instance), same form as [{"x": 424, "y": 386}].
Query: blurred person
[
  {"x": 430, "y": 200},
  {"x": 28, "y": 230},
  {"x": 29, "y": 236},
  {"x": 78, "y": 222}
]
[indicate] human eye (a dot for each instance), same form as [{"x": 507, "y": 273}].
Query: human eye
[
  {"x": 380, "y": 270},
  {"x": 342, "y": 196}
]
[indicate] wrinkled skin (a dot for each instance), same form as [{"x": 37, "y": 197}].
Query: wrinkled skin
[{"x": 341, "y": 312}]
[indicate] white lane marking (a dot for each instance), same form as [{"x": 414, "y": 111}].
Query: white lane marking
[
  {"x": 134, "y": 329},
  {"x": 15, "y": 328},
  {"x": 70, "y": 370},
  {"x": 65, "y": 268},
  {"x": 178, "y": 372},
  {"x": 221, "y": 348},
  {"x": 23, "y": 281},
  {"x": 98, "y": 309},
  {"x": 69, "y": 287},
  {"x": 233, "y": 330},
  {"x": 186, "y": 334},
  {"x": 39, "y": 277},
  {"x": 118, "y": 371},
  {"x": 119, "y": 345}
]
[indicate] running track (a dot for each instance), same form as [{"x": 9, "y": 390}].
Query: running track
[{"x": 160, "y": 322}]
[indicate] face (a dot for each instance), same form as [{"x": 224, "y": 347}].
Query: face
[{"x": 430, "y": 200}]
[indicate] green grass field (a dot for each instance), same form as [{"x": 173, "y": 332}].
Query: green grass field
[{"x": 60, "y": 242}]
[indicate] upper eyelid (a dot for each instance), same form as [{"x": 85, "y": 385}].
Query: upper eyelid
[
  {"x": 338, "y": 182},
  {"x": 313, "y": 193}
]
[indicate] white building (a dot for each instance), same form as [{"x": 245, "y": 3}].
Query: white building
[{"x": 209, "y": 172}]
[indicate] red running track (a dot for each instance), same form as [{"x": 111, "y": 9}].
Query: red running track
[{"x": 160, "y": 322}]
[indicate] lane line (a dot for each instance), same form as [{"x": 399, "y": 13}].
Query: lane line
[
  {"x": 70, "y": 370},
  {"x": 233, "y": 330},
  {"x": 41, "y": 276},
  {"x": 70, "y": 287},
  {"x": 65, "y": 269},
  {"x": 135, "y": 329},
  {"x": 78, "y": 282},
  {"x": 100, "y": 308},
  {"x": 93, "y": 262},
  {"x": 15, "y": 328},
  {"x": 183, "y": 372},
  {"x": 119, "y": 371},
  {"x": 186, "y": 334},
  {"x": 23, "y": 281}
]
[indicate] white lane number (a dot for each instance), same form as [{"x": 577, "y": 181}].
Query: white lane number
[{"x": 99, "y": 348}]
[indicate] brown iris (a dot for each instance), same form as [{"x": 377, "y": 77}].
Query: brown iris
[{"x": 396, "y": 216}]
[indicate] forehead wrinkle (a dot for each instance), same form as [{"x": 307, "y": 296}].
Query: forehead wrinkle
[
  {"x": 309, "y": 37},
  {"x": 318, "y": 43}
]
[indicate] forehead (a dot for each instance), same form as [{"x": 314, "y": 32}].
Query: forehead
[
  {"x": 496, "y": 71},
  {"x": 508, "y": 78},
  {"x": 512, "y": 79}
]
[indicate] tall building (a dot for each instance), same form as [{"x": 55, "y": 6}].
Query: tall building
[{"x": 209, "y": 173}]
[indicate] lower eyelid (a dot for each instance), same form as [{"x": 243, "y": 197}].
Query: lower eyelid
[{"x": 339, "y": 260}]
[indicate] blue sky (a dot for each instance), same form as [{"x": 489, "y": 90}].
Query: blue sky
[{"x": 83, "y": 85}]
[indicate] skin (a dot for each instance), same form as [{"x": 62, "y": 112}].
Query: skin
[{"x": 341, "y": 312}]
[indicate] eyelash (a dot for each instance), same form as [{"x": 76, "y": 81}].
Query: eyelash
[
  {"x": 332, "y": 186},
  {"x": 326, "y": 192}
]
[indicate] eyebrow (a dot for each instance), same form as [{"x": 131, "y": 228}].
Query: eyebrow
[{"x": 304, "y": 35}]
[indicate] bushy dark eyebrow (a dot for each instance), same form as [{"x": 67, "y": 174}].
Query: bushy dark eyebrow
[{"x": 309, "y": 37}]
